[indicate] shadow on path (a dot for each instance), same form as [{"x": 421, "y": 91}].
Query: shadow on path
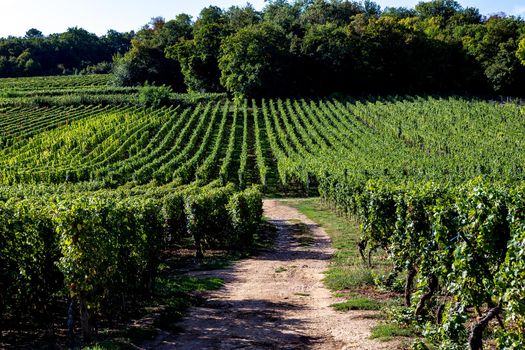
[
  {"x": 264, "y": 305},
  {"x": 243, "y": 324}
]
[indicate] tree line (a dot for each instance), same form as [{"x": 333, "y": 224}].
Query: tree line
[
  {"x": 315, "y": 47},
  {"x": 299, "y": 47},
  {"x": 72, "y": 52}
]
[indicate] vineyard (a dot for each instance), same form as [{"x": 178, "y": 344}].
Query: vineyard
[
  {"x": 54, "y": 82},
  {"x": 90, "y": 194}
]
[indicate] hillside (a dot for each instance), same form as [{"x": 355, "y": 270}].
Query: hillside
[{"x": 92, "y": 194}]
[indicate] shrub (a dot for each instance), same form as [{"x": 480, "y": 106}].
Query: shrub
[
  {"x": 245, "y": 210},
  {"x": 155, "y": 96}
]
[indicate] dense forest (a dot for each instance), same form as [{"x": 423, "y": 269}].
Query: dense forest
[
  {"x": 316, "y": 47},
  {"x": 72, "y": 52},
  {"x": 304, "y": 47}
]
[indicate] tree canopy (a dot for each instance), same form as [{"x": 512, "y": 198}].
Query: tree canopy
[
  {"x": 254, "y": 60},
  {"x": 299, "y": 47},
  {"x": 73, "y": 51},
  {"x": 316, "y": 47}
]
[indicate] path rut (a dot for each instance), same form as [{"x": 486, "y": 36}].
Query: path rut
[{"x": 275, "y": 300}]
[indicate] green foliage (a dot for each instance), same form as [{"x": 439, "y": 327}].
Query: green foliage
[
  {"x": 435, "y": 183},
  {"x": 444, "y": 9},
  {"x": 283, "y": 13},
  {"x": 346, "y": 46},
  {"x": 198, "y": 57},
  {"x": 454, "y": 232},
  {"x": 322, "y": 12},
  {"x": 155, "y": 96},
  {"x": 28, "y": 250},
  {"x": 170, "y": 32},
  {"x": 98, "y": 244},
  {"x": 73, "y": 51},
  {"x": 494, "y": 45},
  {"x": 240, "y": 17},
  {"x": 386, "y": 332},
  {"x": 437, "y": 47},
  {"x": 245, "y": 211},
  {"x": 99, "y": 68},
  {"x": 329, "y": 50},
  {"x": 107, "y": 246},
  {"x": 208, "y": 220},
  {"x": 509, "y": 279},
  {"x": 251, "y": 60},
  {"x": 520, "y": 53},
  {"x": 174, "y": 218},
  {"x": 459, "y": 237},
  {"x": 144, "y": 63},
  {"x": 357, "y": 304}
]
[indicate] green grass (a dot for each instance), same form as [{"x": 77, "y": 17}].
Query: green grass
[
  {"x": 358, "y": 304},
  {"x": 344, "y": 295},
  {"x": 212, "y": 263},
  {"x": 348, "y": 272},
  {"x": 187, "y": 284},
  {"x": 124, "y": 339},
  {"x": 103, "y": 346},
  {"x": 175, "y": 295},
  {"x": 347, "y": 269},
  {"x": 341, "y": 277},
  {"x": 387, "y": 331},
  {"x": 280, "y": 269}
]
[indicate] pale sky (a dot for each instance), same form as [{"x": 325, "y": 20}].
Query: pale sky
[{"x": 98, "y": 16}]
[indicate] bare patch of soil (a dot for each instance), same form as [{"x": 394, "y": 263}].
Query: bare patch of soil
[{"x": 276, "y": 300}]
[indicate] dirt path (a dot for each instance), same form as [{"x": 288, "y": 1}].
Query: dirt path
[{"x": 275, "y": 301}]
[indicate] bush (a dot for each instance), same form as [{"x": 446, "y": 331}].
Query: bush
[
  {"x": 174, "y": 219},
  {"x": 110, "y": 252},
  {"x": 245, "y": 211},
  {"x": 207, "y": 218},
  {"x": 28, "y": 250},
  {"x": 99, "y": 68},
  {"x": 155, "y": 96},
  {"x": 105, "y": 248}
]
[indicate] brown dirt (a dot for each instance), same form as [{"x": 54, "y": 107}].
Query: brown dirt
[{"x": 276, "y": 300}]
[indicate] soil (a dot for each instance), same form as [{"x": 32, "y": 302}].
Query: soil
[{"x": 275, "y": 300}]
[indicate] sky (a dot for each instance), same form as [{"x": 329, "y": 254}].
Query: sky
[{"x": 98, "y": 16}]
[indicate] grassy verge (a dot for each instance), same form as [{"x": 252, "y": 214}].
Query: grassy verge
[
  {"x": 348, "y": 276},
  {"x": 347, "y": 270},
  {"x": 359, "y": 303},
  {"x": 388, "y": 331}
]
